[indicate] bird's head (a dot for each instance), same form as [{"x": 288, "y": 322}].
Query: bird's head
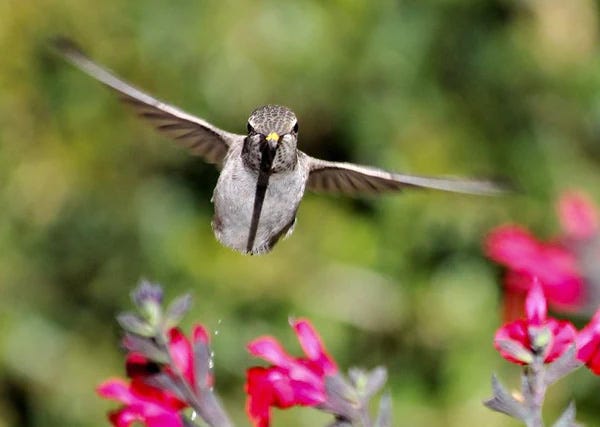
[{"x": 273, "y": 125}]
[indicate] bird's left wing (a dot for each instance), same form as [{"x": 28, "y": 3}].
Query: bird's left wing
[
  {"x": 198, "y": 136},
  {"x": 352, "y": 179}
]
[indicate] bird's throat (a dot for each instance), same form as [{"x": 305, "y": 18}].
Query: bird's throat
[
  {"x": 267, "y": 155},
  {"x": 264, "y": 173}
]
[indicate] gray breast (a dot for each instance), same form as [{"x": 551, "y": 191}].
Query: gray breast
[{"x": 234, "y": 204}]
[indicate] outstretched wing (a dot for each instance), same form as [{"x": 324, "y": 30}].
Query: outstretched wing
[
  {"x": 198, "y": 136},
  {"x": 352, "y": 179}
]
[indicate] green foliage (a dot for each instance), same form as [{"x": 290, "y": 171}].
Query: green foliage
[{"x": 92, "y": 200}]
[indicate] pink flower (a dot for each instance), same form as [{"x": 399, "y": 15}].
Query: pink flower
[
  {"x": 578, "y": 216},
  {"x": 521, "y": 340},
  {"x": 290, "y": 381},
  {"x": 588, "y": 344},
  {"x": 553, "y": 264},
  {"x": 142, "y": 403},
  {"x": 151, "y": 405},
  {"x": 182, "y": 353}
]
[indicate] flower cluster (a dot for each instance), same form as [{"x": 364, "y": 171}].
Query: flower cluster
[
  {"x": 549, "y": 349},
  {"x": 557, "y": 264},
  {"x": 168, "y": 373},
  {"x": 557, "y": 272},
  {"x": 289, "y": 381},
  {"x": 146, "y": 403},
  {"x": 521, "y": 340},
  {"x": 539, "y": 336}
]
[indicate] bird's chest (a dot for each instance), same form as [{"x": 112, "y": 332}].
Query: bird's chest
[{"x": 236, "y": 194}]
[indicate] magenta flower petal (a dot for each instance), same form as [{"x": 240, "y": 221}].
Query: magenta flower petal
[
  {"x": 269, "y": 349},
  {"x": 142, "y": 403},
  {"x": 566, "y": 292},
  {"x": 199, "y": 333},
  {"x": 115, "y": 389},
  {"x": 514, "y": 339},
  {"x": 588, "y": 344},
  {"x": 288, "y": 391},
  {"x": 553, "y": 264},
  {"x": 272, "y": 387},
  {"x": 535, "y": 305},
  {"x": 260, "y": 396},
  {"x": 578, "y": 215},
  {"x": 563, "y": 336},
  {"x": 124, "y": 417},
  {"x": 313, "y": 346},
  {"x": 587, "y": 337},
  {"x": 162, "y": 397},
  {"x": 127, "y": 416},
  {"x": 290, "y": 381},
  {"x": 594, "y": 362},
  {"x": 512, "y": 246},
  {"x": 515, "y": 333},
  {"x": 166, "y": 419},
  {"x": 181, "y": 353}
]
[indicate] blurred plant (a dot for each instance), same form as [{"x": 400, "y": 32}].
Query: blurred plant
[
  {"x": 568, "y": 267},
  {"x": 548, "y": 349},
  {"x": 168, "y": 374}
]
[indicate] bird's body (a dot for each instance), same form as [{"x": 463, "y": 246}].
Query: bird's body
[
  {"x": 263, "y": 174},
  {"x": 274, "y": 218}
]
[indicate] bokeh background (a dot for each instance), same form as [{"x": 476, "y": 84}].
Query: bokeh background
[{"x": 91, "y": 199}]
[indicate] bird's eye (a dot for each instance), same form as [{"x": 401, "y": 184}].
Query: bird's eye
[
  {"x": 296, "y": 127},
  {"x": 250, "y": 128}
]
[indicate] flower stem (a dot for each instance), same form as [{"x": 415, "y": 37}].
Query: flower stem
[
  {"x": 534, "y": 392},
  {"x": 365, "y": 420},
  {"x": 364, "y": 416}
]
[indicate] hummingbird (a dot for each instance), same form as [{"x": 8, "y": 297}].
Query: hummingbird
[{"x": 263, "y": 174}]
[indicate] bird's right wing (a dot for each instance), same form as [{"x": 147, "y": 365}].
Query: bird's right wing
[
  {"x": 352, "y": 179},
  {"x": 198, "y": 136}
]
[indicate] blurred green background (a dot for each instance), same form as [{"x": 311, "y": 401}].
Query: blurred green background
[{"x": 92, "y": 199}]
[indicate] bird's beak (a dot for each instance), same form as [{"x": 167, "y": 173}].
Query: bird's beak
[{"x": 272, "y": 139}]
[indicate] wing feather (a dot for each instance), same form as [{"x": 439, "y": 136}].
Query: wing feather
[
  {"x": 200, "y": 137},
  {"x": 352, "y": 179}
]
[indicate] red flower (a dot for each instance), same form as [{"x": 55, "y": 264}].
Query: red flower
[
  {"x": 151, "y": 405},
  {"x": 588, "y": 344},
  {"x": 143, "y": 403},
  {"x": 553, "y": 264},
  {"x": 578, "y": 216},
  {"x": 520, "y": 340},
  {"x": 182, "y": 357},
  {"x": 182, "y": 353},
  {"x": 290, "y": 381}
]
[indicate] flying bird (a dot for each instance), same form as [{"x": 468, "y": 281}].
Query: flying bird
[{"x": 263, "y": 174}]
